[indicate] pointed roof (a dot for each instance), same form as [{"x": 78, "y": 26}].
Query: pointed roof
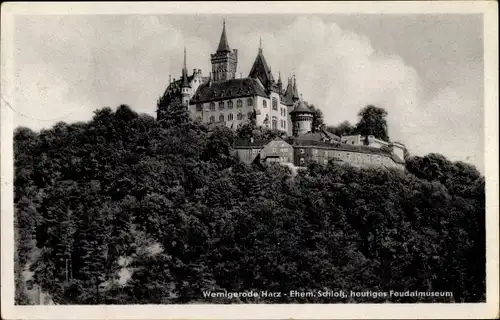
[
  {"x": 301, "y": 107},
  {"x": 223, "y": 44},
  {"x": 260, "y": 70},
  {"x": 295, "y": 92},
  {"x": 289, "y": 93},
  {"x": 185, "y": 82}
]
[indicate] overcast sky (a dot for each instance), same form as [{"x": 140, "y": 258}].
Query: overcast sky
[{"x": 425, "y": 70}]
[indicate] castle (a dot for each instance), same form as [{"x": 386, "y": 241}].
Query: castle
[{"x": 223, "y": 99}]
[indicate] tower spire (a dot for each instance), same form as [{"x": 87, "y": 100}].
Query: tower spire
[
  {"x": 223, "y": 45},
  {"x": 260, "y": 44},
  {"x": 185, "y": 82},
  {"x": 295, "y": 92},
  {"x": 185, "y": 65}
]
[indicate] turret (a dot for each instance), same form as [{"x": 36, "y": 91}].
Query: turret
[
  {"x": 295, "y": 92},
  {"x": 224, "y": 62},
  {"x": 302, "y": 118},
  {"x": 185, "y": 89},
  {"x": 280, "y": 84}
]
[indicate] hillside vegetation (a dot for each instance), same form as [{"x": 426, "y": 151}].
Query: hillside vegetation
[{"x": 174, "y": 201}]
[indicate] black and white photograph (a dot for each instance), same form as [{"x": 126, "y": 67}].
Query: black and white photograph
[{"x": 249, "y": 160}]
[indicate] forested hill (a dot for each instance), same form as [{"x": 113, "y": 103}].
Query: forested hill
[{"x": 172, "y": 200}]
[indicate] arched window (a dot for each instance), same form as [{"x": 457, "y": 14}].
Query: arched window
[
  {"x": 230, "y": 117},
  {"x": 221, "y": 118},
  {"x": 239, "y": 103},
  {"x": 275, "y": 104},
  {"x": 240, "y": 116},
  {"x": 221, "y": 105},
  {"x": 212, "y": 106},
  {"x": 249, "y": 102},
  {"x": 230, "y": 104},
  {"x": 212, "y": 119},
  {"x": 264, "y": 103},
  {"x": 274, "y": 124}
]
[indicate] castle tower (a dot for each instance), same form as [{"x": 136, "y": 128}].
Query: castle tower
[
  {"x": 224, "y": 61},
  {"x": 295, "y": 92},
  {"x": 261, "y": 70},
  {"x": 185, "y": 89},
  {"x": 280, "y": 84},
  {"x": 302, "y": 118}
]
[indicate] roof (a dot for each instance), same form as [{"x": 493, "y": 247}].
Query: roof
[
  {"x": 223, "y": 44},
  {"x": 288, "y": 97},
  {"x": 228, "y": 89},
  {"x": 301, "y": 107},
  {"x": 246, "y": 143},
  {"x": 344, "y": 147},
  {"x": 258, "y": 143},
  {"x": 260, "y": 70},
  {"x": 295, "y": 93}
]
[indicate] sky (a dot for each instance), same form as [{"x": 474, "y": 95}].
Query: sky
[{"x": 426, "y": 70}]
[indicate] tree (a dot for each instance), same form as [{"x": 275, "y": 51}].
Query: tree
[
  {"x": 172, "y": 111},
  {"x": 170, "y": 198},
  {"x": 372, "y": 122},
  {"x": 318, "y": 120},
  {"x": 343, "y": 129}
]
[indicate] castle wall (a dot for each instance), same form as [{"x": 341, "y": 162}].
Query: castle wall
[
  {"x": 305, "y": 155},
  {"x": 207, "y": 112},
  {"x": 280, "y": 149}
]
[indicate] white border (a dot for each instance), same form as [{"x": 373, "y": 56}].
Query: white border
[{"x": 275, "y": 311}]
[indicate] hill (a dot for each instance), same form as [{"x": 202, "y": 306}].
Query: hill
[{"x": 170, "y": 204}]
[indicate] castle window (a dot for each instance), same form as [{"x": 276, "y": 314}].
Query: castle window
[
  {"x": 240, "y": 116},
  {"x": 199, "y": 107},
  {"x": 264, "y": 103},
  {"x": 301, "y": 150},
  {"x": 221, "y": 105},
  {"x": 212, "y": 106},
  {"x": 230, "y": 117},
  {"x": 239, "y": 103},
  {"x": 212, "y": 119},
  {"x": 249, "y": 102},
  {"x": 230, "y": 104},
  {"x": 301, "y": 160},
  {"x": 274, "y": 123},
  {"x": 221, "y": 118},
  {"x": 275, "y": 104},
  {"x": 284, "y": 124}
]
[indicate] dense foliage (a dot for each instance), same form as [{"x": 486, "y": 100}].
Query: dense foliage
[
  {"x": 169, "y": 203},
  {"x": 372, "y": 121}
]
